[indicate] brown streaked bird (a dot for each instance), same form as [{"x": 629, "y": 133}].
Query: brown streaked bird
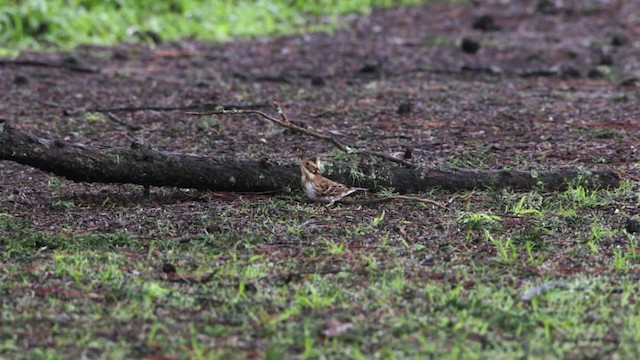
[{"x": 319, "y": 188}]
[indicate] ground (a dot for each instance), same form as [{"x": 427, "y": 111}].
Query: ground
[{"x": 97, "y": 270}]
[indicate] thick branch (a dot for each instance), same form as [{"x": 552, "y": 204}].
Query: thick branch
[
  {"x": 144, "y": 166},
  {"x": 141, "y": 165}
]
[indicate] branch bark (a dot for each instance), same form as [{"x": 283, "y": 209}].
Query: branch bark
[{"x": 145, "y": 166}]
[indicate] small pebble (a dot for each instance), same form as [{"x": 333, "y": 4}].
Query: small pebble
[
  {"x": 619, "y": 40},
  {"x": 633, "y": 225},
  {"x": 547, "y": 7},
  {"x": 20, "y": 80},
  {"x": 404, "y": 108},
  {"x": 470, "y": 46},
  {"x": 485, "y": 23}
]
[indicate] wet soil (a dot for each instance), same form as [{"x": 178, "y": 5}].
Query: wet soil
[
  {"x": 491, "y": 85},
  {"x": 547, "y": 87}
]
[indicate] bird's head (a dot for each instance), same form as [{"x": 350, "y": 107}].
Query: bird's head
[{"x": 310, "y": 167}]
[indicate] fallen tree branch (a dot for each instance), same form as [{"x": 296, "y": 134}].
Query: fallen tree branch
[
  {"x": 291, "y": 126},
  {"x": 68, "y": 65},
  {"x": 202, "y": 106},
  {"x": 141, "y": 165},
  {"x": 144, "y": 166}
]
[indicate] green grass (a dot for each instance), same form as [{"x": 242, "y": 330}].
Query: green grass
[
  {"x": 264, "y": 278},
  {"x": 350, "y": 284},
  {"x": 35, "y": 24}
]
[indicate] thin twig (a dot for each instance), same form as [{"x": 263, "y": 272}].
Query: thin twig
[
  {"x": 107, "y": 109},
  {"x": 62, "y": 64},
  {"x": 113, "y": 117},
  {"x": 394, "y": 197},
  {"x": 283, "y": 116},
  {"x": 175, "y": 277},
  {"x": 291, "y": 126}
]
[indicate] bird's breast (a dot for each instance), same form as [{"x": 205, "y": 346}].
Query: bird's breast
[{"x": 309, "y": 190}]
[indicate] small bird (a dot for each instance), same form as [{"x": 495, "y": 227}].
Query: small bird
[{"x": 319, "y": 188}]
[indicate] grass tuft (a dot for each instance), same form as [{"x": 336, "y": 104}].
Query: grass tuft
[{"x": 37, "y": 24}]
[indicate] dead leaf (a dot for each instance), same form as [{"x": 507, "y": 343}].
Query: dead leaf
[{"x": 334, "y": 328}]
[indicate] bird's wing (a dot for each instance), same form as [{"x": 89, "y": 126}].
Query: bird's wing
[{"x": 330, "y": 188}]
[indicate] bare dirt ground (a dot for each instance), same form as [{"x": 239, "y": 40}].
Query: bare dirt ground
[{"x": 551, "y": 86}]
